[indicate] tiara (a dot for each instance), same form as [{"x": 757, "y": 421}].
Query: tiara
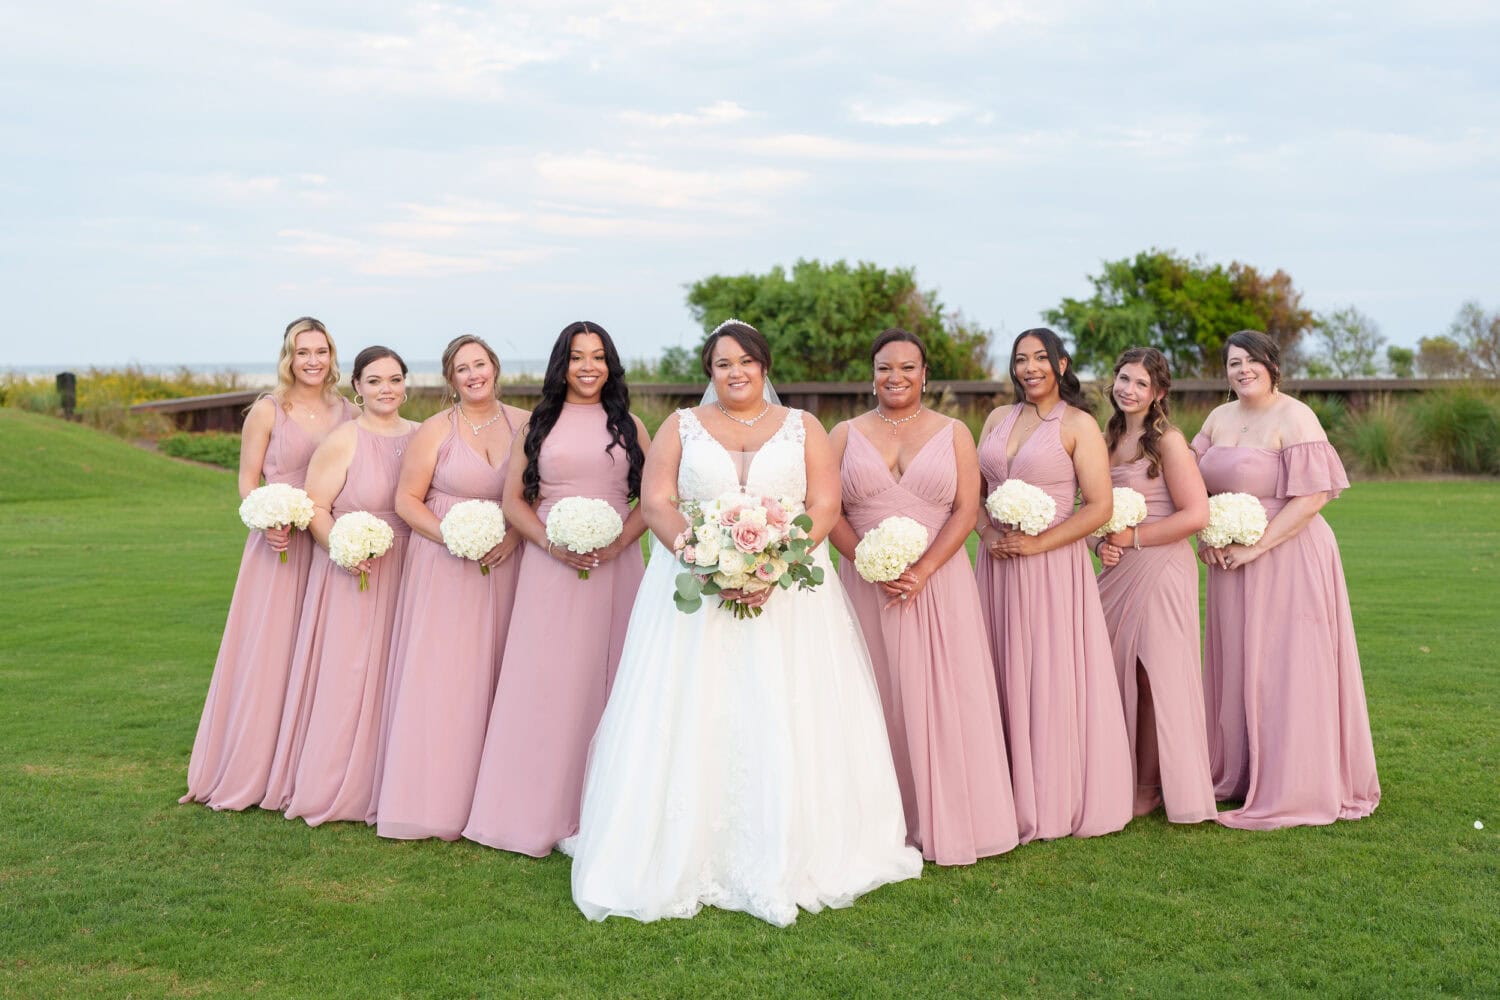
[{"x": 728, "y": 322}]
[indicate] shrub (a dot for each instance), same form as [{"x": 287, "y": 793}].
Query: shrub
[
  {"x": 213, "y": 447},
  {"x": 1458, "y": 429},
  {"x": 1377, "y": 440},
  {"x": 1331, "y": 411}
]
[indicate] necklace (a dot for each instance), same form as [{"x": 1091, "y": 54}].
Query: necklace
[
  {"x": 896, "y": 424},
  {"x": 740, "y": 420},
  {"x": 476, "y": 428}
]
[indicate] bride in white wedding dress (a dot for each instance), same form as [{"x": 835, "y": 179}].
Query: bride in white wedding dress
[{"x": 742, "y": 764}]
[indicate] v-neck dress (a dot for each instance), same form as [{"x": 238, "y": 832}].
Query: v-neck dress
[
  {"x": 1064, "y": 727},
  {"x": 932, "y": 663},
  {"x": 446, "y": 646}
]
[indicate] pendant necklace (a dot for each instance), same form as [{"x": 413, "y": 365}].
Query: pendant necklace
[
  {"x": 740, "y": 420},
  {"x": 896, "y": 424},
  {"x": 476, "y": 428}
]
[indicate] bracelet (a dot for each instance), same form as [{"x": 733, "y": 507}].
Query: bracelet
[
  {"x": 1135, "y": 537},
  {"x": 549, "y": 547}
]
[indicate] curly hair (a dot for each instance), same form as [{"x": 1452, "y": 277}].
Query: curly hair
[
  {"x": 1158, "y": 415},
  {"x": 614, "y": 396}
]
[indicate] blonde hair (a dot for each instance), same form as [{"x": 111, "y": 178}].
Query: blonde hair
[
  {"x": 284, "y": 378},
  {"x": 457, "y": 344}
]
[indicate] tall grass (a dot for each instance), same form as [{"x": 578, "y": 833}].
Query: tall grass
[
  {"x": 1459, "y": 429},
  {"x": 1377, "y": 440}
]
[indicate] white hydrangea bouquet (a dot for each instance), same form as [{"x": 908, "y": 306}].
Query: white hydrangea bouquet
[
  {"x": 1129, "y": 511},
  {"x": 473, "y": 527},
  {"x": 745, "y": 543},
  {"x": 1021, "y": 505},
  {"x": 583, "y": 524},
  {"x": 276, "y": 505},
  {"x": 1233, "y": 517},
  {"x": 889, "y": 548},
  {"x": 357, "y": 536}
]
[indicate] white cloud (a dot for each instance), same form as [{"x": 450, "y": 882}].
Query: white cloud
[
  {"x": 904, "y": 113},
  {"x": 596, "y": 178},
  {"x": 718, "y": 113}
]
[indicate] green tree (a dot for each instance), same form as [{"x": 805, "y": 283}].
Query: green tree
[
  {"x": 1441, "y": 357},
  {"x": 1478, "y": 333},
  {"x": 1348, "y": 343},
  {"x": 821, "y": 318},
  {"x": 1184, "y": 307},
  {"x": 1401, "y": 360}
]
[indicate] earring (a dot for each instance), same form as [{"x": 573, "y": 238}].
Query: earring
[
  {"x": 403, "y": 397},
  {"x": 359, "y": 400}
]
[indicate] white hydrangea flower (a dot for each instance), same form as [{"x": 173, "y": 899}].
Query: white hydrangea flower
[
  {"x": 1130, "y": 510},
  {"x": 357, "y": 536},
  {"x": 583, "y": 524},
  {"x": 889, "y": 548},
  {"x": 1233, "y": 517},
  {"x": 1021, "y": 505},
  {"x": 276, "y": 505},
  {"x": 472, "y": 528}
]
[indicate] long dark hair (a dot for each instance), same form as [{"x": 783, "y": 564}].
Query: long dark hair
[
  {"x": 615, "y": 397},
  {"x": 1260, "y": 348},
  {"x": 1068, "y": 386},
  {"x": 1158, "y": 416}
]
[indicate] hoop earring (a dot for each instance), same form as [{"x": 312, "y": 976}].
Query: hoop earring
[
  {"x": 403, "y": 397},
  {"x": 359, "y": 400}
]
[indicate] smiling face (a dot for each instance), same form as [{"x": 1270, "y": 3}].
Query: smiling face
[
  {"x": 588, "y": 368},
  {"x": 382, "y": 385},
  {"x": 1133, "y": 391},
  {"x": 473, "y": 375},
  {"x": 899, "y": 375},
  {"x": 738, "y": 378},
  {"x": 1033, "y": 369},
  {"x": 1250, "y": 379},
  {"x": 312, "y": 358}
]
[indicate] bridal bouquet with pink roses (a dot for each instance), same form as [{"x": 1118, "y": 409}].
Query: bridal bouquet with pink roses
[{"x": 742, "y": 544}]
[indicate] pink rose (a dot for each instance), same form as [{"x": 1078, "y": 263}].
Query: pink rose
[
  {"x": 687, "y": 554},
  {"x": 680, "y": 542},
  {"x": 767, "y": 571},
  {"x": 751, "y": 537},
  {"x": 728, "y": 516},
  {"x": 776, "y": 515}
]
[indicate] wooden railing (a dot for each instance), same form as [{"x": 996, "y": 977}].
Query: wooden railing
[{"x": 226, "y": 411}]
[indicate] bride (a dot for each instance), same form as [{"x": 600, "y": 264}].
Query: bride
[{"x": 743, "y": 764}]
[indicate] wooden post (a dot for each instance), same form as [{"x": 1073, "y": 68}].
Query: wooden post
[{"x": 67, "y": 393}]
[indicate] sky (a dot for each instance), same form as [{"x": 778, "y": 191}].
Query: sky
[{"x": 181, "y": 179}]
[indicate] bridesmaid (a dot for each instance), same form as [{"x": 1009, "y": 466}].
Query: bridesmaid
[
  {"x": 1149, "y": 589},
  {"x": 924, "y": 630},
  {"x": 1288, "y": 730},
  {"x": 237, "y": 732},
  {"x": 330, "y": 726},
  {"x": 451, "y": 620},
  {"x": 1069, "y": 757},
  {"x": 566, "y": 633}
]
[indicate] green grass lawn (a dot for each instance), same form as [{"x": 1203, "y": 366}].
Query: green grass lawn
[{"x": 118, "y": 566}]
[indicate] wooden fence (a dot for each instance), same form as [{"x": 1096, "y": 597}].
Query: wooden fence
[{"x": 226, "y": 411}]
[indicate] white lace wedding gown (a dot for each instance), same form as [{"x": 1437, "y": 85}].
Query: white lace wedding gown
[{"x": 742, "y": 764}]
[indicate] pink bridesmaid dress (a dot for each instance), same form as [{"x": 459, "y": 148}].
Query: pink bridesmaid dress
[
  {"x": 324, "y": 767},
  {"x": 932, "y": 664},
  {"x": 560, "y": 656},
  {"x": 1288, "y": 730},
  {"x": 236, "y": 738},
  {"x": 1150, "y": 600},
  {"x": 446, "y": 645},
  {"x": 1069, "y": 756}
]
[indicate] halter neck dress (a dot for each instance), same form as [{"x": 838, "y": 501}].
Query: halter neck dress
[
  {"x": 1065, "y": 730},
  {"x": 241, "y": 718}
]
